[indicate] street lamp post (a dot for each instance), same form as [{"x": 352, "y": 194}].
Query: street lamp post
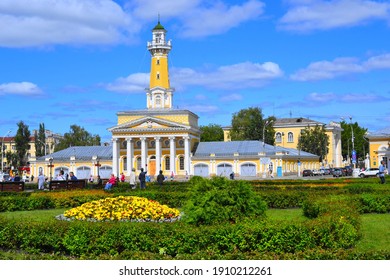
[
  {"x": 2, "y": 151},
  {"x": 51, "y": 166},
  {"x": 353, "y": 154}
]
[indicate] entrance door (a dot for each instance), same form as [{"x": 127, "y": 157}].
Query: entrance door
[
  {"x": 152, "y": 167},
  {"x": 201, "y": 170}
]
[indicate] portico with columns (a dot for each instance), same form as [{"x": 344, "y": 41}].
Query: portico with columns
[{"x": 158, "y": 137}]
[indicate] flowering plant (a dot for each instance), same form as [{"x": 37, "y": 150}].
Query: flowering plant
[{"x": 122, "y": 208}]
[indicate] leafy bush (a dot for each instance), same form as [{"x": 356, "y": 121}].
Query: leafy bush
[{"x": 220, "y": 200}]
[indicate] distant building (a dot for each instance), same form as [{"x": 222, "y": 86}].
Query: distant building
[
  {"x": 379, "y": 147},
  {"x": 288, "y": 131}
]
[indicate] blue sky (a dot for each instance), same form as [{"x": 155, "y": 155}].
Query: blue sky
[{"x": 65, "y": 62}]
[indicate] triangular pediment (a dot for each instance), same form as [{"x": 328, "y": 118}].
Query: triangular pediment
[{"x": 150, "y": 124}]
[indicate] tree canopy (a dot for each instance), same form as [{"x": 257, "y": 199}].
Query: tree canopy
[
  {"x": 250, "y": 124},
  {"x": 211, "y": 132},
  {"x": 314, "y": 141},
  {"x": 360, "y": 143},
  {"x": 77, "y": 136},
  {"x": 22, "y": 139},
  {"x": 40, "y": 140}
]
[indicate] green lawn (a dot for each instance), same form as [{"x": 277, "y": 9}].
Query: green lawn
[{"x": 375, "y": 231}]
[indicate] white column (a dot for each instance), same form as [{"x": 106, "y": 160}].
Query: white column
[
  {"x": 129, "y": 155},
  {"x": 158, "y": 155},
  {"x": 115, "y": 156},
  {"x": 144, "y": 152},
  {"x": 187, "y": 152},
  {"x": 172, "y": 156}
]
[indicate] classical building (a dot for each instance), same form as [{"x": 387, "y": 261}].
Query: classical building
[
  {"x": 379, "y": 146},
  {"x": 288, "y": 131},
  {"x": 161, "y": 137}
]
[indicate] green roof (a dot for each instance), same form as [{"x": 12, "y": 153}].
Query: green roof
[{"x": 159, "y": 27}]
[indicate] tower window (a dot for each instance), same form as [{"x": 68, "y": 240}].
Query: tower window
[
  {"x": 158, "y": 101},
  {"x": 158, "y": 76},
  {"x": 158, "y": 62}
]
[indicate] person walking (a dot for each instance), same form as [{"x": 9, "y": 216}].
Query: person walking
[
  {"x": 382, "y": 169},
  {"x": 132, "y": 179},
  {"x": 142, "y": 179},
  {"x": 41, "y": 181},
  {"x": 160, "y": 178}
]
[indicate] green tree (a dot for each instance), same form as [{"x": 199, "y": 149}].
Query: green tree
[
  {"x": 360, "y": 143},
  {"x": 250, "y": 124},
  {"x": 40, "y": 140},
  {"x": 314, "y": 141},
  {"x": 211, "y": 132},
  {"x": 12, "y": 158},
  {"x": 22, "y": 139},
  {"x": 77, "y": 136}
]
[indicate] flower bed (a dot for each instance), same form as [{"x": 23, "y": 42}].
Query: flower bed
[{"x": 122, "y": 208}]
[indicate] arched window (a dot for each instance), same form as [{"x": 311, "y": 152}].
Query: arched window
[
  {"x": 181, "y": 163},
  {"x": 124, "y": 163},
  {"x": 290, "y": 137},
  {"x": 278, "y": 137},
  {"x": 167, "y": 163},
  {"x": 139, "y": 163}
]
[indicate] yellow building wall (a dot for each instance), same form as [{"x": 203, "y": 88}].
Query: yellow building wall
[{"x": 375, "y": 146}]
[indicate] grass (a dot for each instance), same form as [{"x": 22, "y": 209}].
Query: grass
[
  {"x": 33, "y": 216},
  {"x": 375, "y": 232}
]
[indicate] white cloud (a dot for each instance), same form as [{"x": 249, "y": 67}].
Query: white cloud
[
  {"x": 134, "y": 83},
  {"x": 231, "y": 97},
  {"x": 36, "y": 23},
  {"x": 323, "y": 70},
  {"x": 242, "y": 75},
  {"x": 46, "y": 22},
  {"x": 22, "y": 88},
  {"x": 321, "y": 97},
  {"x": 219, "y": 18},
  {"x": 197, "y": 18},
  {"x": 312, "y": 15},
  {"x": 361, "y": 98}
]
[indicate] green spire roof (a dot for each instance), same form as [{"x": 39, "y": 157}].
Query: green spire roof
[{"x": 159, "y": 26}]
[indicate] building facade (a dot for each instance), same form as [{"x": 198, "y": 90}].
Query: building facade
[
  {"x": 379, "y": 148},
  {"x": 288, "y": 131}
]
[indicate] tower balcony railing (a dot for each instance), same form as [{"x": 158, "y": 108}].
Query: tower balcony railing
[{"x": 163, "y": 44}]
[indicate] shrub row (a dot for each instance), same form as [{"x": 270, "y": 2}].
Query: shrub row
[{"x": 179, "y": 240}]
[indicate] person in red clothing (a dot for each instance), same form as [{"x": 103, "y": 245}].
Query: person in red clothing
[
  {"x": 110, "y": 182},
  {"x": 122, "y": 177}
]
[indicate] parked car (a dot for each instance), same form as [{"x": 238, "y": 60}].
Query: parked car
[
  {"x": 337, "y": 172},
  {"x": 348, "y": 170},
  {"x": 307, "y": 172},
  {"x": 369, "y": 172},
  {"x": 316, "y": 172},
  {"x": 327, "y": 171}
]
